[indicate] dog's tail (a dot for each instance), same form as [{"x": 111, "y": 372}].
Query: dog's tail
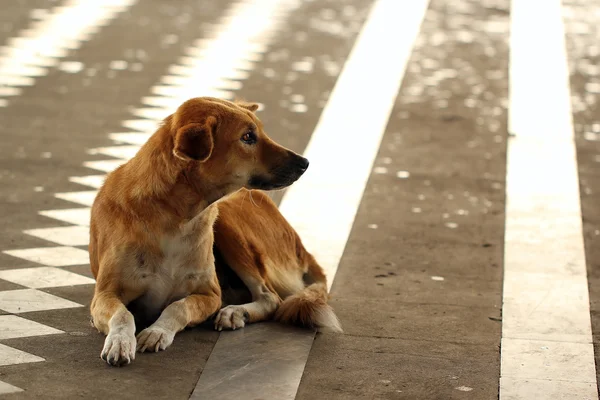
[{"x": 308, "y": 307}]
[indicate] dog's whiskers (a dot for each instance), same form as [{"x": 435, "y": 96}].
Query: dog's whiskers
[
  {"x": 243, "y": 201},
  {"x": 252, "y": 199}
]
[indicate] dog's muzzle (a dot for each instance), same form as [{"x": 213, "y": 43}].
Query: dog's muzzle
[{"x": 282, "y": 176}]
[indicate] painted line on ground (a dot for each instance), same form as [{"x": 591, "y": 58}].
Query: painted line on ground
[
  {"x": 324, "y": 222},
  {"x": 547, "y": 349},
  {"x": 49, "y": 38},
  {"x": 6, "y": 388}
]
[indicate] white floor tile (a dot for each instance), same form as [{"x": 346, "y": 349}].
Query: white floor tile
[
  {"x": 141, "y": 125},
  {"x": 14, "y": 80},
  {"x": 22, "y": 70},
  {"x": 77, "y": 216},
  {"x": 540, "y": 389},
  {"x": 85, "y": 198},
  {"x": 44, "y": 277},
  {"x": 104, "y": 165},
  {"x": 544, "y": 307},
  {"x": 94, "y": 181},
  {"x": 6, "y": 91},
  {"x": 28, "y": 300},
  {"x": 160, "y": 101},
  {"x": 53, "y": 256},
  {"x": 64, "y": 235},
  {"x": 539, "y": 359},
  {"x": 12, "y": 326},
  {"x": 178, "y": 80},
  {"x": 152, "y": 113},
  {"x": 130, "y": 138},
  {"x": 185, "y": 92},
  {"x": 10, "y": 356},
  {"x": 563, "y": 259},
  {"x": 123, "y": 152},
  {"x": 6, "y": 388}
]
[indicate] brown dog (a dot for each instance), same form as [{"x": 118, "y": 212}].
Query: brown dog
[{"x": 151, "y": 233}]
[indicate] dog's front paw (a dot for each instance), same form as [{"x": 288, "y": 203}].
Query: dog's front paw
[
  {"x": 154, "y": 338},
  {"x": 119, "y": 349},
  {"x": 231, "y": 317}
]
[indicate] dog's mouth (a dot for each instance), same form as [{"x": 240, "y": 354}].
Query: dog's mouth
[
  {"x": 279, "y": 178},
  {"x": 264, "y": 183}
]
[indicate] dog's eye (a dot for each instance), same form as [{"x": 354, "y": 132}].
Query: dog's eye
[{"x": 249, "y": 137}]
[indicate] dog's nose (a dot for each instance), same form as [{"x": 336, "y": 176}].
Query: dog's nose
[
  {"x": 303, "y": 163},
  {"x": 297, "y": 162}
]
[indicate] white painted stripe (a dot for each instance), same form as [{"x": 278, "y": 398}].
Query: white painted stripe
[
  {"x": 543, "y": 389},
  {"x": 44, "y": 277},
  {"x": 546, "y": 329},
  {"x": 10, "y": 356},
  {"x": 137, "y": 139},
  {"x": 30, "y": 300},
  {"x": 12, "y": 326},
  {"x": 153, "y": 113},
  {"x": 174, "y": 102},
  {"x": 41, "y": 45},
  {"x": 104, "y": 165},
  {"x": 94, "y": 181},
  {"x": 122, "y": 152},
  {"x": 6, "y": 388},
  {"x": 76, "y": 216},
  {"x": 141, "y": 125},
  {"x": 63, "y": 235},
  {"x": 6, "y": 91},
  {"x": 324, "y": 222},
  {"x": 52, "y": 256},
  {"x": 84, "y": 198}
]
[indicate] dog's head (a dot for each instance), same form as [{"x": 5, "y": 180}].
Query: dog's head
[{"x": 226, "y": 147}]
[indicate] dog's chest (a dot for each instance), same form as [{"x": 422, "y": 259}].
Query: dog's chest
[
  {"x": 179, "y": 263},
  {"x": 178, "y": 252},
  {"x": 185, "y": 263}
]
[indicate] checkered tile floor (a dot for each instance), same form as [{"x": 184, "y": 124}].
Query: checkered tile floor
[
  {"x": 46, "y": 263},
  {"x": 45, "y": 271}
]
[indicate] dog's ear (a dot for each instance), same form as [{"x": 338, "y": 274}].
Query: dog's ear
[
  {"x": 248, "y": 106},
  {"x": 195, "y": 141}
]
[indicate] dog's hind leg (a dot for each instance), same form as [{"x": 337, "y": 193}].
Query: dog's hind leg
[{"x": 264, "y": 299}]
